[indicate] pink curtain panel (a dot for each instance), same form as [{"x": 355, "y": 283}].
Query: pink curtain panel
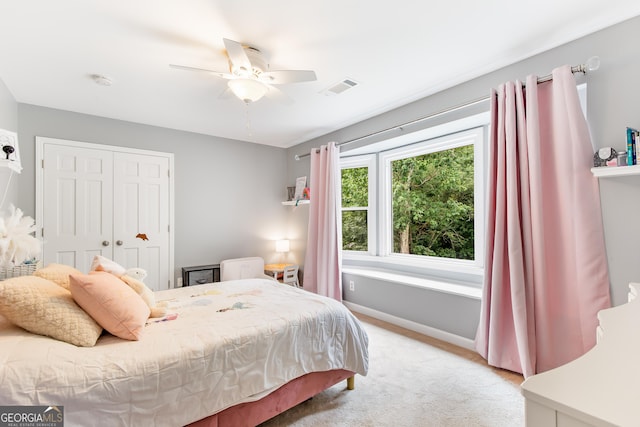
[
  {"x": 546, "y": 272},
  {"x": 322, "y": 267}
]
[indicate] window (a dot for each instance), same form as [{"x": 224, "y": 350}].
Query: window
[
  {"x": 355, "y": 207},
  {"x": 432, "y": 197},
  {"x": 357, "y": 219},
  {"x": 430, "y": 202}
]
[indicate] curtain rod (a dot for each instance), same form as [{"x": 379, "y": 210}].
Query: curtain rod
[{"x": 592, "y": 64}]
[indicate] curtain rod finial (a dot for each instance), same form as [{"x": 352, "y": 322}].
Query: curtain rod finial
[
  {"x": 297, "y": 157},
  {"x": 592, "y": 63}
]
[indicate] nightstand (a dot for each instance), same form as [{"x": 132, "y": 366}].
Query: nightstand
[
  {"x": 201, "y": 274},
  {"x": 275, "y": 270}
]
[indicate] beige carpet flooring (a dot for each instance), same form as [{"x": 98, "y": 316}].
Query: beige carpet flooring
[{"x": 414, "y": 381}]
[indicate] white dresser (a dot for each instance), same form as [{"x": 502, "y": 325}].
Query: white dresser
[{"x": 600, "y": 388}]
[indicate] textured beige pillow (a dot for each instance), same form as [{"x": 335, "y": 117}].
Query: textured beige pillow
[
  {"x": 42, "y": 307},
  {"x": 58, "y": 273},
  {"x": 111, "y": 302}
]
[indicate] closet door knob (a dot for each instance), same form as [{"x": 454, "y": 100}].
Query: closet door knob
[
  {"x": 119, "y": 242},
  {"x": 105, "y": 243}
]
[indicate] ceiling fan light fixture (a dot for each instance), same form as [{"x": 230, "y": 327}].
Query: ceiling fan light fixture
[{"x": 248, "y": 90}]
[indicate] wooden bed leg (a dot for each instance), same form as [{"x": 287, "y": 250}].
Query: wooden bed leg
[{"x": 351, "y": 383}]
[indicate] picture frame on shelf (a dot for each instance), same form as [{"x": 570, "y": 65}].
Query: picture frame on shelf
[
  {"x": 301, "y": 184},
  {"x": 291, "y": 192}
]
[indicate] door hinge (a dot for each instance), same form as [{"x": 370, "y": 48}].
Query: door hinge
[
  {"x": 169, "y": 228},
  {"x": 42, "y": 232},
  {"x": 42, "y": 163}
]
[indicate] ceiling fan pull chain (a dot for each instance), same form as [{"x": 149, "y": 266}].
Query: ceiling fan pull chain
[{"x": 248, "y": 125}]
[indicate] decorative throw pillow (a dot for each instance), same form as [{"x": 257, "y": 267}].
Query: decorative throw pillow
[
  {"x": 111, "y": 302},
  {"x": 58, "y": 273},
  {"x": 101, "y": 263},
  {"x": 42, "y": 307}
]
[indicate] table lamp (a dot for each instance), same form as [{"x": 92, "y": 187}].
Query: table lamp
[{"x": 282, "y": 246}]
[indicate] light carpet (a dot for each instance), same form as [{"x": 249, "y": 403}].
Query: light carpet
[{"x": 411, "y": 383}]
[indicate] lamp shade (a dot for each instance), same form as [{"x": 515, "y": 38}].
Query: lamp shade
[
  {"x": 282, "y": 246},
  {"x": 248, "y": 90}
]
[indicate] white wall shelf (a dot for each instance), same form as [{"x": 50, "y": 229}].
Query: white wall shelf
[
  {"x": 610, "y": 171},
  {"x": 296, "y": 202}
]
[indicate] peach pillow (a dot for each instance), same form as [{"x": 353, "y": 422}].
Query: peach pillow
[
  {"x": 111, "y": 302},
  {"x": 42, "y": 307},
  {"x": 58, "y": 273}
]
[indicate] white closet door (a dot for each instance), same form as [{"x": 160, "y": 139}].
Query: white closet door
[
  {"x": 141, "y": 215},
  {"x": 77, "y": 215},
  {"x": 94, "y": 199}
]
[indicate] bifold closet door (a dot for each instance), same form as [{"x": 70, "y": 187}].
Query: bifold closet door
[
  {"x": 77, "y": 202},
  {"x": 110, "y": 203},
  {"x": 141, "y": 215}
]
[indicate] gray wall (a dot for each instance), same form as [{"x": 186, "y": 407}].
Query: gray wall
[
  {"x": 8, "y": 109},
  {"x": 613, "y": 104},
  {"x": 8, "y": 121},
  {"x": 227, "y": 192}
]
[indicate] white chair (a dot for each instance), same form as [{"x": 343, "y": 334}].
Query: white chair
[
  {"x": 242, "y": 268},
  {"x": 290, "y": 276}
]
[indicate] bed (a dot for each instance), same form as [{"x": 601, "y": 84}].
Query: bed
[{"x": 237, "y": 351}]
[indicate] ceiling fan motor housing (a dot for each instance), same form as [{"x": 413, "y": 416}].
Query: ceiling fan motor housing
[{"x": 258, "y": 63}]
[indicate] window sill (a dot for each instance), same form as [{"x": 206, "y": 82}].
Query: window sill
[
  {"x": 418, "y": 282},
  {"x": 464, "y": 273}
]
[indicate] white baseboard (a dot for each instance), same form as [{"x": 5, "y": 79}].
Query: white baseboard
[{"x": 413, "y": 326}]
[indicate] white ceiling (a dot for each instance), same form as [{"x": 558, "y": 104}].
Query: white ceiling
[{"x": 398, "y": 51}]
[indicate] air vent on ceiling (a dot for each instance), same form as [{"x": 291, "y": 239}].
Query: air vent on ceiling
[{"x": 340, "y": 87}]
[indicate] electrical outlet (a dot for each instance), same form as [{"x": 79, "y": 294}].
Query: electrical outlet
[
  {"x": 179, "y": 282},
  {"x": 352, "y": 285}
]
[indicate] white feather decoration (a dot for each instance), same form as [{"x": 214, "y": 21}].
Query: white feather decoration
[{"x": 17, "y": 243}]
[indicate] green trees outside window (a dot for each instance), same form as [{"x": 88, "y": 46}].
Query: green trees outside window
[
  {"x": 433, "y": 204},
  {"x": 355, "y": 196}
]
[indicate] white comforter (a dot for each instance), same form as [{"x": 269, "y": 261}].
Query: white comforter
[{"x": 231, "y": 342}]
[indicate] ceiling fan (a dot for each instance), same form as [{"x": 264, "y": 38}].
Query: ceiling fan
[{"x": 249, "y": 76}]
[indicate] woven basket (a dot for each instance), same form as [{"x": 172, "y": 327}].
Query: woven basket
[{"x": 18, "y": 270}]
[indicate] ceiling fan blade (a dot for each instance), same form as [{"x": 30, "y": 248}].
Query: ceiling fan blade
[
  {"x": 203, "y": 70},
  {"x": 279, "y": 96},
  {"x": 238, "y": 56},
  {"x": 288, "y": 76}
]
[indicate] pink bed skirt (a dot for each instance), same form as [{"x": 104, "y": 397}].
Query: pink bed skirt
[{"x": 251, "y": 414}]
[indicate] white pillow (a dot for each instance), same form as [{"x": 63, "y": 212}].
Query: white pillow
[{"x": 101, "y": 263}]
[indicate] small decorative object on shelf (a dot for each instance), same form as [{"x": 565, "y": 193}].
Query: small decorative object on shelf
[
  {"x": 298, "y": 195},
  {"x": 604, "y": 155}
]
